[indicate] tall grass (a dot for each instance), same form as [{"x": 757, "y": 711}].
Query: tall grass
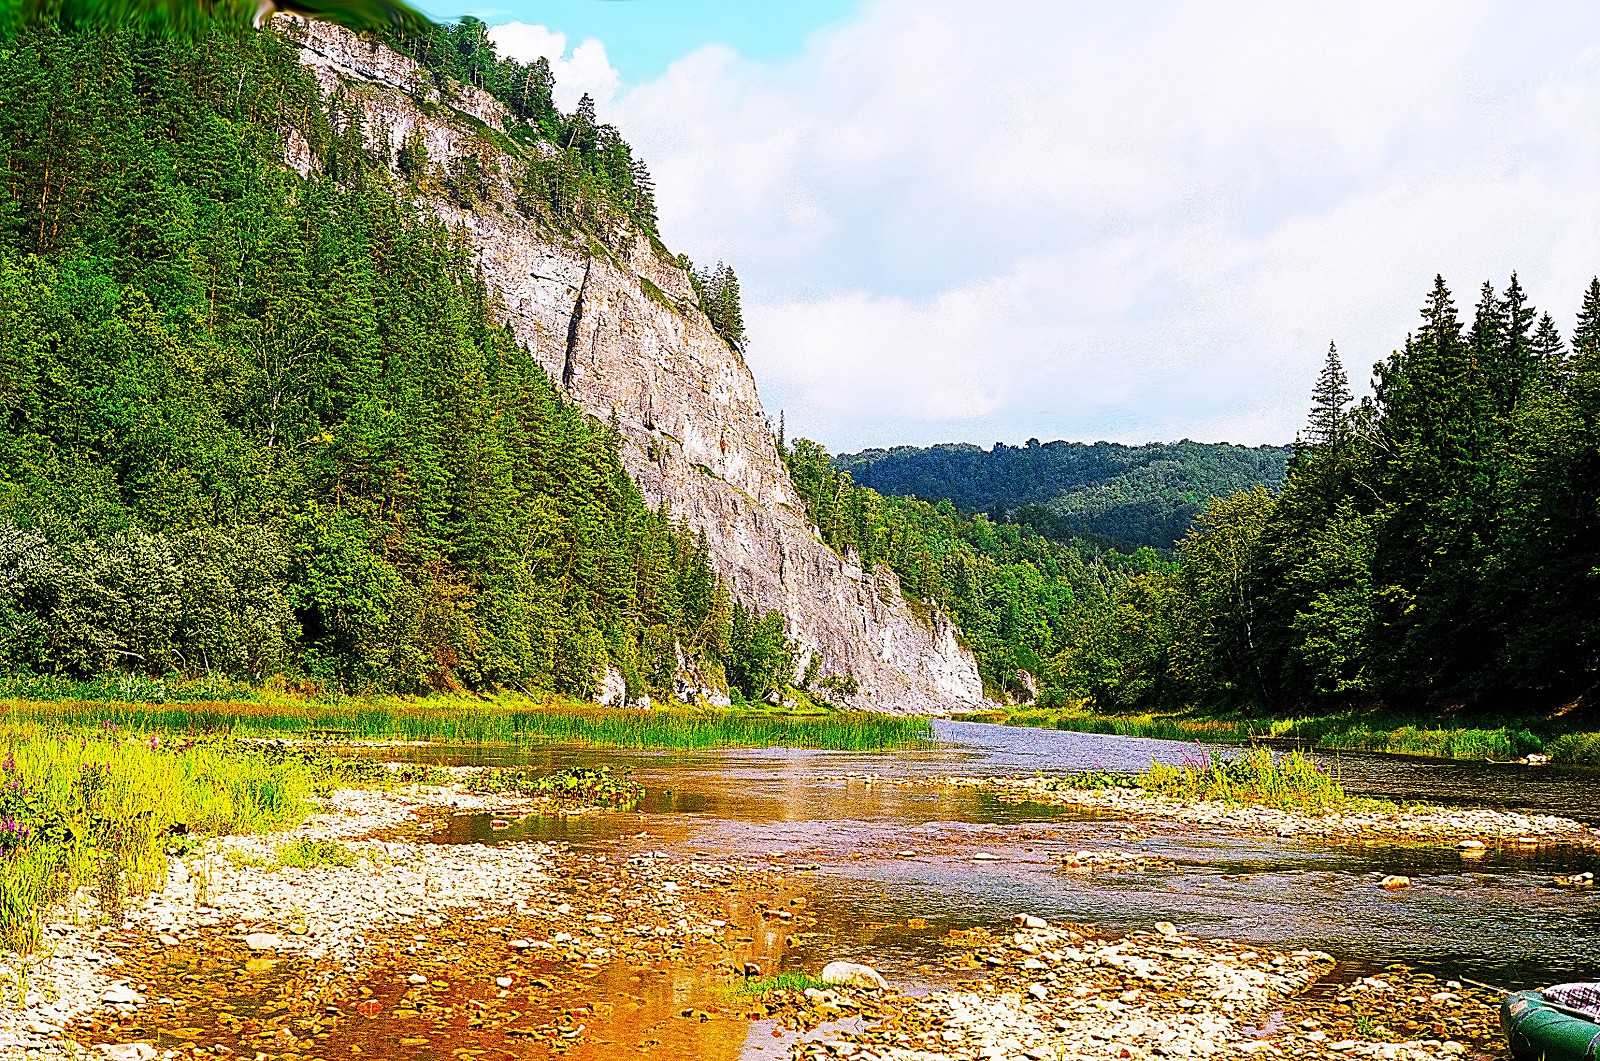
[
  {"x": 1578, "y": 749},
  {"x": 1344, "y": 732},
  {"x": 1290, "y": 782},
  {"x": 99, "y": 808},
  {"x": 503, "y": 721}
]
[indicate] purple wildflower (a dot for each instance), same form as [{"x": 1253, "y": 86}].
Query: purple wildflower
[{"x": 10, "y": 763}]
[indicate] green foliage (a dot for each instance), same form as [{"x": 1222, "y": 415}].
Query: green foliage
[
  {"x": 258, "y": 423},
  {"x": 1015, "y": 595},
  {"x": 573, "y": 786},
  {"x": 796, "y": 981},
  {"x": 506, "y": 720},
  {"x": 1435, "y": 547},
  {"x": 1291, "y": 782},
  {"x": 579, "y": 173},
  {"x": 717, "y": 290},
  {"x": 79, "y": 807},
  {"x": 1123, "y": 497},
  {"x": 306, "y": 853},
  {"x": 760, "y": 655}
]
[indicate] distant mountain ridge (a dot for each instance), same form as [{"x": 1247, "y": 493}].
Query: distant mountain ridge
[{"x": 1124, "y": 496}]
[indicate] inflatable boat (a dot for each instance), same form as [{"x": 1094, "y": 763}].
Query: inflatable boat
[{"x": 1559, "y": 1023}]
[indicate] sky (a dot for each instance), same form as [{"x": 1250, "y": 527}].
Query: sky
[{"x": 1044, "y": 218}]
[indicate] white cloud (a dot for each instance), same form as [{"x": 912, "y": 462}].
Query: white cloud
[
  {"x": 585, "y": 69},
  {"x": 1128, "y": 221}
]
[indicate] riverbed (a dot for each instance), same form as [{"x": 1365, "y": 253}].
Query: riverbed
[
  {"x": 886, "y": 854},
  {"x": 788, "y": 860}
]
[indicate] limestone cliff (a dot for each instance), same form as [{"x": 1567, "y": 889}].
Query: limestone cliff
[{"x": 619, "y": 327}]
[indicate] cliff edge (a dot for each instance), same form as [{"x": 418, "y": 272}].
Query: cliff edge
[{"x": 617, "y": 324}]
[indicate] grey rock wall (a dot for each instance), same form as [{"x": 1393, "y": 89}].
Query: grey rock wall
[{"x": 621, "y": 331}]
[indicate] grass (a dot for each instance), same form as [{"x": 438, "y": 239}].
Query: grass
[
  {"x": 1289, "y": 782},
  {"x": 1350, "y": 731},
  {"x": 575, "y": 785},
  {"x": 503, "y": 720},
  {"x": 793, "y": 981},
  {"x": 306, "y": 853},
  {"x": 100, "y": 808}
]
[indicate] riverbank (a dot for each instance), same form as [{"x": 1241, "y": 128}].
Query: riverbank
[
  {"x": 1359, "y": 821},
  {"x": 507, "y": 719},
  {"x": 240, "y": 953},
  {"x": 404, "y": 946},
  {"x": 1549, "y": 737}
]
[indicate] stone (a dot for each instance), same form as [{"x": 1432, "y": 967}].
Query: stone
[
  {"x": 1394, "y": 882},
  {"x": 122, "y": 995},
  {"x": 1167, "y": 929},
  {"x": 1470, "y": 845},
  {"x": 262, "y": 941},
  {"x": 416, "y": 978},
  {"x": 984, "y": 856},
  {"x": 503, "y": 982},
  {"x": 167, "y": 939},
  {"x": 1039, "y": 991},
  {"x": 1029, "y": 921},
  {"x": 126, "y": 1051},
  {"x": 852, "y": 974},
  {"x": 752, "y": 969}
]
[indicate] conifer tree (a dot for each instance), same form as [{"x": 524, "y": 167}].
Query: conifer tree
[{"x": 1329, "y": 401}]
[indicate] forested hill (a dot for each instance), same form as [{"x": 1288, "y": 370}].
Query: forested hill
[
  {"x": 260, "y": 423},
  {"x": 1126, "y": 496}
]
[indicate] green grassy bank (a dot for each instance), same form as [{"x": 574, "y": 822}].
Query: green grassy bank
[
  {"x": 79, "y": 807},
  {"x": 505, "y": 720},
  {"x": 1343, "y": 732}
]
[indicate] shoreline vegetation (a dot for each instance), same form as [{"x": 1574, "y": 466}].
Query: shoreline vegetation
[
  {"x": 1386, "y": 733},
  {"x": 99, "y": 793}
]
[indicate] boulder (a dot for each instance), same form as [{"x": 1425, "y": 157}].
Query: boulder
[
  {"x": 122, "y": 995},
  {"x": 1394, "y": 882},
  {"x": 262, "y": 941},
  {"x": 852, "y": 974}
]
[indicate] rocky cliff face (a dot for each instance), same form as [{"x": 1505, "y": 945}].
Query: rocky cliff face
[{"x": 621, "y": 331}]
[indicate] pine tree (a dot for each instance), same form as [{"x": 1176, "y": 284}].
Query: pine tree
[{"x": 1329, "y": 400}]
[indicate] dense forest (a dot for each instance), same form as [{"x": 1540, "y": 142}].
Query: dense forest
[
  {"x": 584, "y": 173},
  {"x": 1015, "y": 595},
  {"x": 1123, "y": 497},
  {"x": 257, "y": 423},
  {"x": 1434, "y": 545}
]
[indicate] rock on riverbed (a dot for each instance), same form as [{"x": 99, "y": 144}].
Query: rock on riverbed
[{"x": 1061, "y": 992}]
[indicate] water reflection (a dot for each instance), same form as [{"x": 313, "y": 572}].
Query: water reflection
[{"x": 894, "y": 870}]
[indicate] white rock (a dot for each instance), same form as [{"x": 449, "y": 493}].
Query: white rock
[
  {"x": 127, "y": 1051},
  {"x": 122, "y": 995},
  {"x": 852, "y": 974},
  {"x": 416, "y": 978},
  {"x": 1029, "y": 921},
  {"x": 503, "y": 981},
  {"x": 262, "y": 941},
  {"x": 1039, "y": 991}
]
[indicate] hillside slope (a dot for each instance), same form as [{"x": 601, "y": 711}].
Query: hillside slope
[
  {"x": 618, "y": 326},
  {"x": 1128, "y": 496}
]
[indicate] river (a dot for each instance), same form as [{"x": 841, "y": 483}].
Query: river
[{"x": 891, "y": 869}]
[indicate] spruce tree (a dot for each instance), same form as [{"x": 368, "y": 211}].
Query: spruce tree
[{"x": 1329, "y": 400}]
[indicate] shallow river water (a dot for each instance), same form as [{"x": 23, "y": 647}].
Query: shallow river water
[{"x": 891, "y": 869}]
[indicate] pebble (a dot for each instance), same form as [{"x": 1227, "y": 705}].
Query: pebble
[{"x": 122, "y": 995}]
